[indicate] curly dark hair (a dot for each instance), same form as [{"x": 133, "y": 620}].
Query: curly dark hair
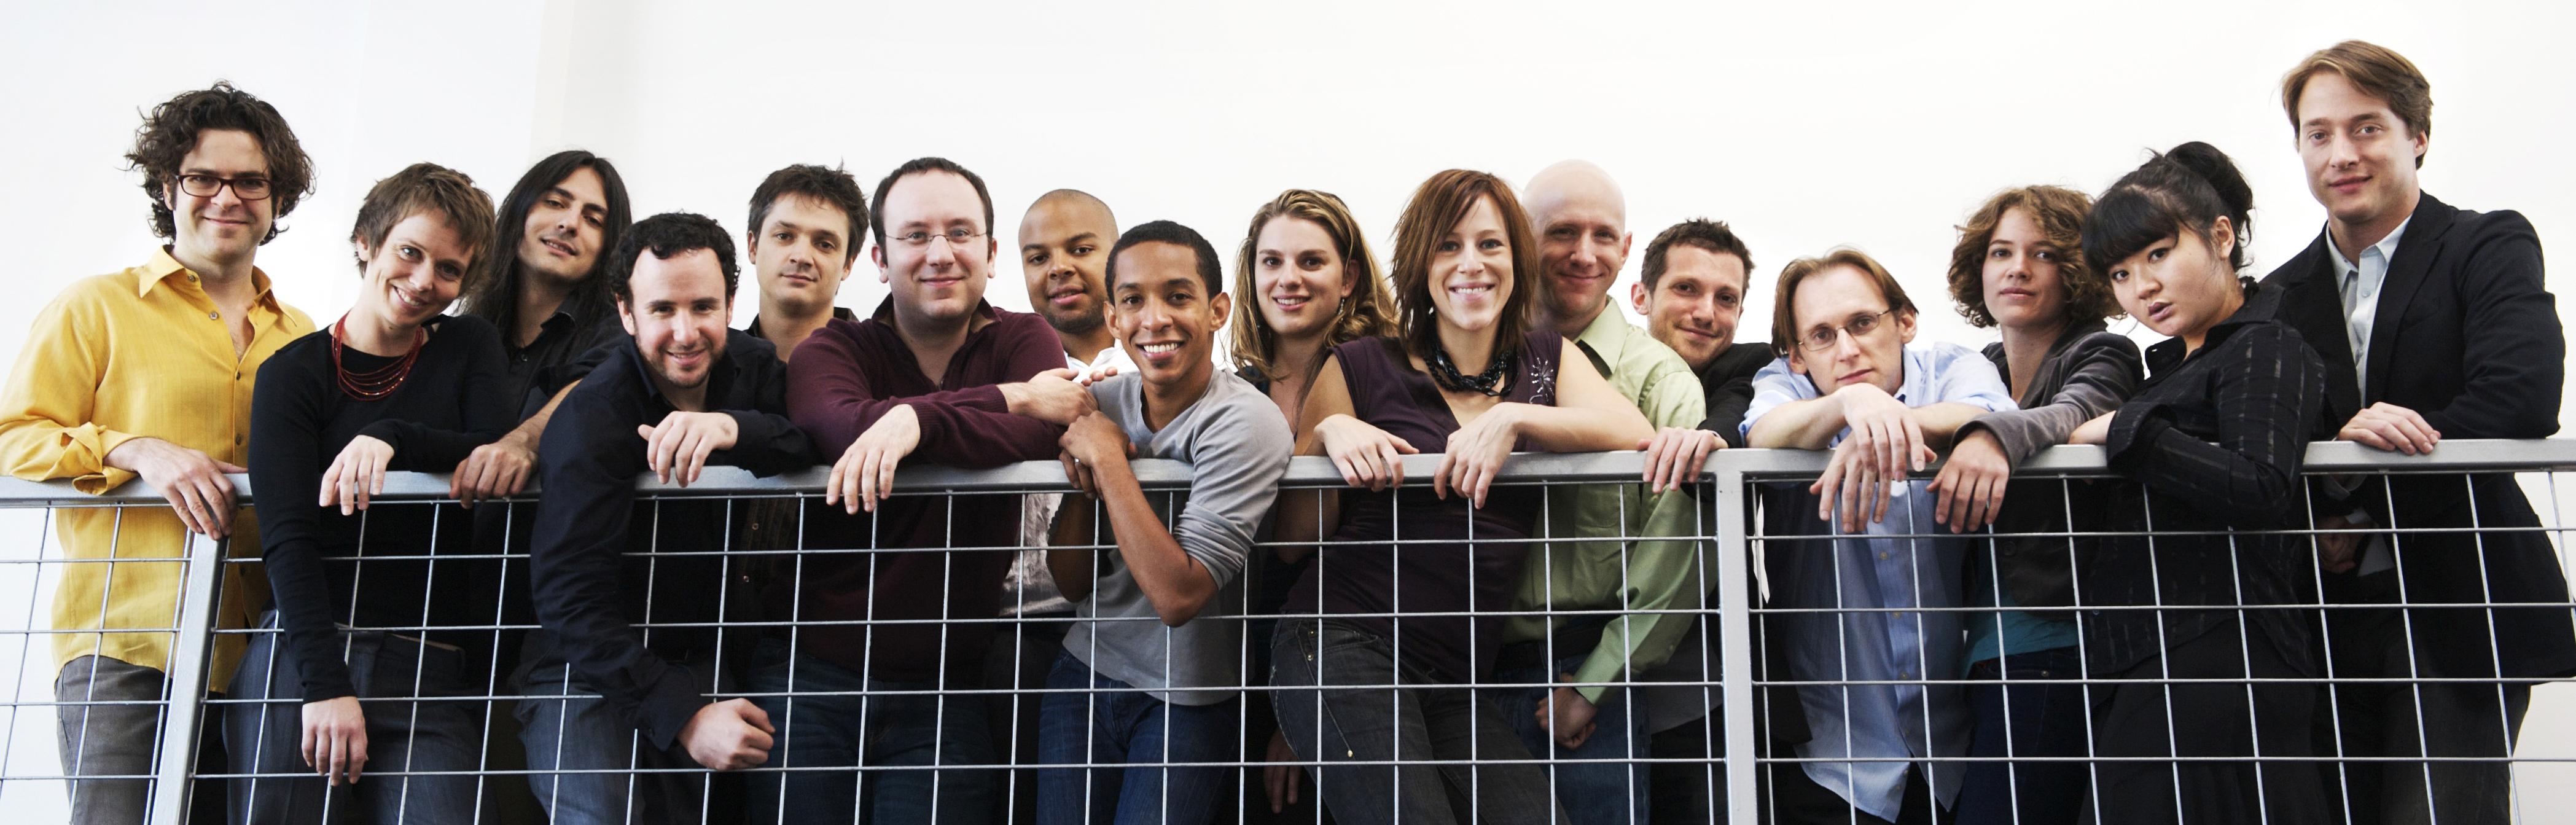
[
  {"x": 170, "y": 132},
  {"x": 666, "y": 236},
  {"x": 2060, "y": 214}
]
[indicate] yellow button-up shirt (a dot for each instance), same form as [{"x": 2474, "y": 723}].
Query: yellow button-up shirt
[{"x": 134, "y": 354}]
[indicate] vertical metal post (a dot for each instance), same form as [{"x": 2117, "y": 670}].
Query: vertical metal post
[
  {"x": 189, "y": 657},
  {"x": 1735, "y": 639}
]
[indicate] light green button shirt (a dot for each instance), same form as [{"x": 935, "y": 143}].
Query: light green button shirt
[{"x": 1621, "y": 575}]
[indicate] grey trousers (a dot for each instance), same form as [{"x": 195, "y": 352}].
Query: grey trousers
[{"x": 119, "y": 739}]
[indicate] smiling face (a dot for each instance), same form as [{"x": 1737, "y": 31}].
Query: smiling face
[
  {"x": 1165, "y": 317},
  {"x": 1842, "y": 296},
  {"x": 940, "y": 281},
  {"x": 2023, "y": 286},
  {"x": 1694, "y": 306},
  {"x": 799, "y": 253},
  {"x": 561, "y": 239},
  {"x": 415, "y": 275},
  {"x": 678, "y": 316},
  {"x": 1064, "y": 248},
  {"x": 2360, "y": 157},
  {"x": 1582, "y": 240},
  {"x": 221, "y": 228},
  {"x": 1298, "y": 278},
  {"x": 1471, "y": 269},
  {"x": 2180, "y": 286}
]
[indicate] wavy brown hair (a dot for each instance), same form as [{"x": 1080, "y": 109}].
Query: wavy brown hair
[
  {"x": 428, "y": 188},
  {"x": 1436, "y": 208},
  {"x": 170, "y": 132},
  {"x": 1366, "y": 313},
  {"x": 2060, "y": 214}
]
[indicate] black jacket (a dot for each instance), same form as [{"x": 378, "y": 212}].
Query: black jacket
[{"x": 2467, "y": 335}]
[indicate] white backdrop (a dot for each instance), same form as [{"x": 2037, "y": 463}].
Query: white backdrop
[{"x": 1804, "y": 125}]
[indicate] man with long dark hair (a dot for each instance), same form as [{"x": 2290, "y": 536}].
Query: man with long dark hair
[
  {"x": 148, "y": 373},
  {"x": 544, "y": 293}
]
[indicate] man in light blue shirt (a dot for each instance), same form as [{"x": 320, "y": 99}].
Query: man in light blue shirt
[{"x": 1854, "y": 382}]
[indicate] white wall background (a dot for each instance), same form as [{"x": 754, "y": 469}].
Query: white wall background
[{"x": 1804, "y": 125}]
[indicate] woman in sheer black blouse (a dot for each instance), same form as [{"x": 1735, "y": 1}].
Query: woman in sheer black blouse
[{"x": 2215, "y": 437}]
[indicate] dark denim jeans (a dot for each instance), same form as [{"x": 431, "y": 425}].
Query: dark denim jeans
[
  {"x": 1116, "y": 724},
  {"x": 403, "y": 735},
  {"x": 854, "y": 754},
  {"x": 1489, "y": 779},
  {"x": 1600, "y": 783},
  {"x": 2027, "y": 705},
  {"x": 590, "y": 766}
]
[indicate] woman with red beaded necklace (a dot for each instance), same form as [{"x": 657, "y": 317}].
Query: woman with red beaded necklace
[{"x": 394, "y": 385}]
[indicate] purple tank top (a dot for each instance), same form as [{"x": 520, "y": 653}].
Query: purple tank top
[{"x": 1411, "y": 555}]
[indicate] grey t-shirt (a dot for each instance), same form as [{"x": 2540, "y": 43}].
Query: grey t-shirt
[{"x": 1238, "y": 448}]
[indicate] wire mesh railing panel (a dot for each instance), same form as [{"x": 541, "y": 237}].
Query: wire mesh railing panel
[{"x": 980, "y": 648}]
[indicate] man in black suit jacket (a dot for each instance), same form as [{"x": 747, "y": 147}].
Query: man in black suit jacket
[{"x": 2434, "y": 323}]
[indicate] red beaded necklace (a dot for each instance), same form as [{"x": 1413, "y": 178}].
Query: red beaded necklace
[{"x": 375, "y": 384}]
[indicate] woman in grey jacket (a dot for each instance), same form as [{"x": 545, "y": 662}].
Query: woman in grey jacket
[{"x": 2019, "y": 267}]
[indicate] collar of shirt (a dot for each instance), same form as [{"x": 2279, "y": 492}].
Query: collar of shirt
[
  {"x": 1605, "y": 339},
  {"x": 162, "y": 268},
  {"x": 838, "y": 314},
  {"x": 1114, "y": 355},
  {"x": 2385, "y": 250},
  {"x": 2168, "y": 354},
  {"x": 571, "y": 316}
]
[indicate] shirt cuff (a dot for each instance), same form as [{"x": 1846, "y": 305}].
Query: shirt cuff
[
  {"x": 2136, "y": 424},
  {"x": 100, "y": 442},
  {"x": 669, "y": 706},
  {"x": 1608, "y": 663}
]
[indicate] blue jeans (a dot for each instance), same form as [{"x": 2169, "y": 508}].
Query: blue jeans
[
  {"x": 1600, "y": 783},
  {"x": 1121, "y": 724},
  {"x": 402, "y": 735},
  {"x": 829, "y": 744},
  {"x": 589, "y": 765}
]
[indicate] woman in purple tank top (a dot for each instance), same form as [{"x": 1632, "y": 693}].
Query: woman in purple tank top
[{"x": 1385, "y": 631}]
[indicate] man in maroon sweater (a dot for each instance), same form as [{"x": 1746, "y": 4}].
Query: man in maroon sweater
[{"x": 864, "y": 607}]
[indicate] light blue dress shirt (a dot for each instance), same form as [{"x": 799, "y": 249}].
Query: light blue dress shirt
[{"x": 1880, "y": 568}]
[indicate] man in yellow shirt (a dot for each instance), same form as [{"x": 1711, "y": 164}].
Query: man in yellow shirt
[{"x": 147, "y": 373}]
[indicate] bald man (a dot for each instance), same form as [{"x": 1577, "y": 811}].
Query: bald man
[
  {"x": 1064, "y": 246},
  {"x": 1580, "y": 218}
]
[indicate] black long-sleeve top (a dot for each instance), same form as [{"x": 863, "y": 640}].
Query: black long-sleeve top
[
  {"x": 1728, "y": 380},
  {"x": 2216, "y": 439},
  {"x": 300, "y": 421},
  {"x": 589, "y": 591}
]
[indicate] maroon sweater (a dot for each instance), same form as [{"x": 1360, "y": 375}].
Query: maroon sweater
[{"x": 841, "y": 381}]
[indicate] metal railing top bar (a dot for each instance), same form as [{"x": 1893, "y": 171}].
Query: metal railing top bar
[{"x": 2459, "y": 455}]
